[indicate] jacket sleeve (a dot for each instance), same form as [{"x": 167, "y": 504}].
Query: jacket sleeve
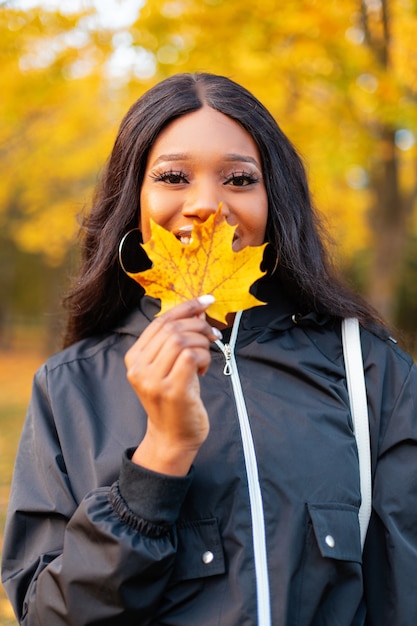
[
  {"x": 390, "y": 556},
  {"x": 102, "y": 560}
]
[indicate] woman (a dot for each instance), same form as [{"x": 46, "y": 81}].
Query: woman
[{"x": 150, "y": 487}]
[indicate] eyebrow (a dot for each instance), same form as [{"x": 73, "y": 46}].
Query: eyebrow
[{"x": 231, "y": 157}]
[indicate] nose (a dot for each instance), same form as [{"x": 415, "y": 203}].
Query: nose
[{"x": 203, "y": 200}]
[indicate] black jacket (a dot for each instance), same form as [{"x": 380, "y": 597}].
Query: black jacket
[{"x": 92, "y": 538}]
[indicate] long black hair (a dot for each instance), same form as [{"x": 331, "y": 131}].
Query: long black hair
[{"x": 103, "y": 293}]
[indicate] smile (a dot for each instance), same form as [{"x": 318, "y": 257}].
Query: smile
[{"x": 184, "y": 234}]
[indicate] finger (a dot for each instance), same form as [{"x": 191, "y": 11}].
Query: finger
[
  {"x": 190, "y": 362},
  {"x": 173, "y": 347},
  {"x": 149, "y": 346},
  {"x": 188, "y": 331},
  {"x": 171, "y": 379},
  {"x": 188, "y": 309}
]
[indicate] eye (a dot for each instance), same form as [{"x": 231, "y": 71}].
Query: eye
[
  {"x": 241, "y": 179},
  {"x": 170, "y": 177}
]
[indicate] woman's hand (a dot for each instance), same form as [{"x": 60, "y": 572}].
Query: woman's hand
[{"x": 163, "y": 367}]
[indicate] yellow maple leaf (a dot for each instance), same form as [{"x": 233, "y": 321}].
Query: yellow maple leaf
[{"x": 207, "y": 264}]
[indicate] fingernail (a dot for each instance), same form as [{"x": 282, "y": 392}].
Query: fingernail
[
  {"x": 217, "y": 332},
  {"x": 206, "y": 299}
]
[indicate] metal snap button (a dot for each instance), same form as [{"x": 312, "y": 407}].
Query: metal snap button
[
  {"x": 207, "y": 557},
  {"x": 330, "y": 541}
]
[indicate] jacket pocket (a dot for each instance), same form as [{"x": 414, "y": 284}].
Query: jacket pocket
[
  {"x": 200, "y": 551},
  {"x": 336, "y": 529},
  {"x": 331, "y": 580}
]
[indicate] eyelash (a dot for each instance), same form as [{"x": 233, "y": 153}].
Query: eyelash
[
  {"x": 245, "y": 179},
  {"x": 238, "y": 179},
  {"x": 171, "y": 177}
]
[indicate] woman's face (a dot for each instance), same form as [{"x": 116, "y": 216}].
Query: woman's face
[{"x": 198, "y": 161}]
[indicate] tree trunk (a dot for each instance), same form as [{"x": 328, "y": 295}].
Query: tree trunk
[
  {"x": 389, "y": 226},
  {"x": 388, "y": 213}
]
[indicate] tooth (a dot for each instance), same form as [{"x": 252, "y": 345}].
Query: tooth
[{"x": 184, "y": 234}]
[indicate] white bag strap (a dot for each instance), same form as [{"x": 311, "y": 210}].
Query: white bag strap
[{"x": 359, "y": 408}]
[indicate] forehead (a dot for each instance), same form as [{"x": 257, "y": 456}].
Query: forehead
[{"x": 204, "y": 130}]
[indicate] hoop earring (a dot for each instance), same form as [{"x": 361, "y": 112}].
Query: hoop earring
[
  {"x": 270, "y": 260},
  {"x": 275, "y": 266},
  {"x": 132, "y": 257}
]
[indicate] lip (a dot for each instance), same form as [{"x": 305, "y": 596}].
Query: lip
[
  {"x": 183, "y": 234},
  {"x": 235, "y": 241}
]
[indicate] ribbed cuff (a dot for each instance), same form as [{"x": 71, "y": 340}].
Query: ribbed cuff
[{"x": 152, "y": 496}]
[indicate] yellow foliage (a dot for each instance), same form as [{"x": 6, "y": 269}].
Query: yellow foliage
[
  {"x": 55, "y": 132},
  {"x": 206, "y": 265},
  {"x": 309, "y": 62}
]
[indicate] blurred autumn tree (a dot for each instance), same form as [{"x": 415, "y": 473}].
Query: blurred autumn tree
[
  {"x": 340, "y": 78},
  {"x": 50, "y": 147},
  {"x": 57, "y": 122}
]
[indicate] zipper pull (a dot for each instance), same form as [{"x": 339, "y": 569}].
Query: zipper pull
[{"x": 227, "y": 370}]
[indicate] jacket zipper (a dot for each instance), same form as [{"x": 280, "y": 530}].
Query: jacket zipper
[{"x": 255, "y": 495}]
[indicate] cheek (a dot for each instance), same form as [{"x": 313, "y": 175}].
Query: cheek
[
  {"x": 150, "y": 208},
  {"x": 145, "y": 213},
  {"x": 257, "y": 221},
  {"x": 158, "y": 205}
]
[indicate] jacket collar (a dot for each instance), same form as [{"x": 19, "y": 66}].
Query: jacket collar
[
  {"x": 277, "y": 315},
  {"x": 138, "y": 319},
  {"x": 281, "y": 313}
]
